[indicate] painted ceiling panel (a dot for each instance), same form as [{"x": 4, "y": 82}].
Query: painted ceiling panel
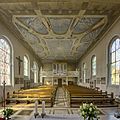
[
  {"x": 87, "y": 40},
  {"x": 59, "y": 48},
  {"x": 83, "y": 47},
  {"x": 42, "y": 54},
  {"x": 35, "y": 23},
  {"x": 84, "y": 24},
  {"x": 27, "y": 36},
  {"x": 32, "y": 40},
  {"x": 37, "y": 48},
  {"x": 92, "y": 35},
  {"x": 59, "y": 25},
  {"x": 59, "y": 29}
]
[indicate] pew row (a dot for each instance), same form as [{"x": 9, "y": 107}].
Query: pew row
[
  {"x": 77, "y": 95},
  {"x": 46, "y": 93}
]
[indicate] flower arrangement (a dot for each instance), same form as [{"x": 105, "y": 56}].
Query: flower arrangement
[
  {"x": 89, "y": 111},
  {"x": 7, "y": 113}
]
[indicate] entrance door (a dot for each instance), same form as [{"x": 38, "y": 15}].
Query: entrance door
[{"x": 59, "y": 82}]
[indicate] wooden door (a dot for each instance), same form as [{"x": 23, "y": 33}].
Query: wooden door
[{"x": 59, "y": 82}]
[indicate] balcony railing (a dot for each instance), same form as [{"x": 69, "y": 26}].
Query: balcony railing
[
  {"x": 73, "y": 73},
  {"x": 46, "y": 73},
  {"x": 65, "y": 74}
]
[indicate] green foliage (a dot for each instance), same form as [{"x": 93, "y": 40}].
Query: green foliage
[
  {"x": 7, "y": 112},
  {"x": 89, "y": 111}
]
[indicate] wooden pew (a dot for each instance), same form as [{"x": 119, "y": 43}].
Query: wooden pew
[
  {"x": 44, "y": 93},
  {"x": 79, "y": 94}
]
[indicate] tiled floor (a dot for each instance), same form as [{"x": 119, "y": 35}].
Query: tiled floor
[
  {"x": 60, "y": 100},
  {"x": 60, "y": 111}
]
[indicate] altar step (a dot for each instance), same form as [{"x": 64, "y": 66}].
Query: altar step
[
  {"x": 99, "y": 106},
  {"x": 109, "y": 105}
]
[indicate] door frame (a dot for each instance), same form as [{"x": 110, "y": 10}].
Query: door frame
[{"x": 60, "y": 79}]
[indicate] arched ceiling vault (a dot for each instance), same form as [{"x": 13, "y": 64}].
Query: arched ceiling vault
[{"x": 60, "y": 29}]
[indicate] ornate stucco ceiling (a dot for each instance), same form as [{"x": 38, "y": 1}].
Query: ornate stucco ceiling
[{"x": 60, "y": 29}]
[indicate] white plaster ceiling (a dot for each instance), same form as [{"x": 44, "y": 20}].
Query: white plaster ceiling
[{"x": 60, "y": 29}]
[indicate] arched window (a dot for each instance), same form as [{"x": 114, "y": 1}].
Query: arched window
[
  {"x": 26, "y": 66},
  {"x": 35, "y": 70},
  {"x": 93, "y": 65},
  {"x": 114, "y": 61},
  {"x": 5, "y": 61},
  {"x": 84, "y": 72}
]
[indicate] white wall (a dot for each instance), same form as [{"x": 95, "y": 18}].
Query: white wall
[
  {"x": 101, "y": 52},
  {"x": 47, "y": 67},
  {"x": 18, "y": 50}
]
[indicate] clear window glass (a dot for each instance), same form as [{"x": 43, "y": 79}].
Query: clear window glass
[
  {"x": 5, "y": 62},
  {"x": 114, "y": 62},
  {"x": 93, "y": 65},
  {"x": 26, "y": 66}
]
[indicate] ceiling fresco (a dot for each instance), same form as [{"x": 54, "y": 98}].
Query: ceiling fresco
[
  {"x": 60, "y": 26},
  {"x": 85, "y": 23},
  {"x": 59, "y": 29}
]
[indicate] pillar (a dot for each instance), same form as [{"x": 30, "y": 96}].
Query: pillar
[
  {"x": 52, "y": 81},
  {"x": 66, "y": 80}
]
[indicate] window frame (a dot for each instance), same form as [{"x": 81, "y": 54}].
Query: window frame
[
  {"x": 84, "y": 72},
  {"x": 110, "y": 61},
  {"x": 28, "y": 72},
  {"x": 11, "y": 60},
  {"x": 92, "y": 68}
]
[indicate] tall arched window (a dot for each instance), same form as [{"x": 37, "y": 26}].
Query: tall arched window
[
  {"x": 114, "y": 61},
  {"x": 35, "y": 70},
  {"x": 93, "y": 65},
  {"x": 84, "y": 72},
  {"x": 5, "y": 61},
  {"x": 26, "y": 66}
]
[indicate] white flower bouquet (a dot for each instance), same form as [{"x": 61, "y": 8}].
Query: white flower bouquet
[{"x": 89, "y": 111}]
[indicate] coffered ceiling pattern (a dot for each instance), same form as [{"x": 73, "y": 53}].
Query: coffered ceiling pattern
[{"x": 60, "y": 29}]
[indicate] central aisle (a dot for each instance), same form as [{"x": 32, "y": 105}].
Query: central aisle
[{"x": 60, "y": 99}]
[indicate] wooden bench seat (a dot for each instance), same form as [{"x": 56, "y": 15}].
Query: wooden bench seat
[
  {"x": 30, "y": 100},
  {"x": 31, "y": 95},
  {"x": 79, "y": 94},
  {"x": 85, "y": 94}
]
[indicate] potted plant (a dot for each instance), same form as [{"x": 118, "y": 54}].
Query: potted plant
[
  {"x": 7, "y": 113},
  {"x": 89, "y": 111}
]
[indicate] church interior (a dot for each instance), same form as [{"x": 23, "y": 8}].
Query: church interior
[{"x": 56, "y": 55}]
